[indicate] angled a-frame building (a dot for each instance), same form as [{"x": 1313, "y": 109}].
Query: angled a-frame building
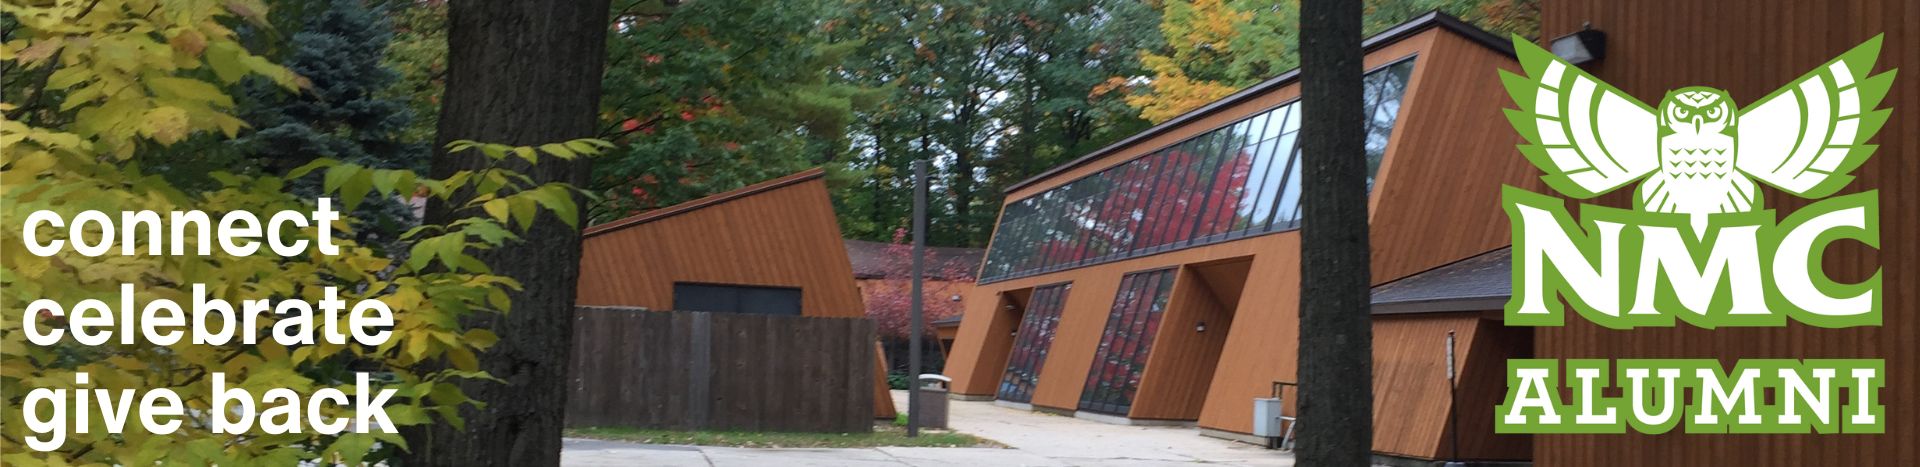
[{"x": 1157, "y": 280}]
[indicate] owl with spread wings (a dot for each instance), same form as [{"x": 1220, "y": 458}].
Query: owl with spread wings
[{"x": 1698, "y": 152}]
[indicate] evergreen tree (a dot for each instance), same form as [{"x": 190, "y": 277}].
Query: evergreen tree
[{"x": 341, "y": 112}]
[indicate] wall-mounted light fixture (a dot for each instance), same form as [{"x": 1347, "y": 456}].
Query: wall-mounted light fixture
[
  {"x": 956, "y": 297},
  {"x": 1582, "y": 47},
  {"x": 1202, "y": 327}
]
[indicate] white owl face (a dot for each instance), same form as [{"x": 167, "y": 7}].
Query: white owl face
[{"x": 1697, "y": 110}]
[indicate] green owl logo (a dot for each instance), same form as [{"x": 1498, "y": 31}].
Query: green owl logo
[{"x": 1699, "y": 152}]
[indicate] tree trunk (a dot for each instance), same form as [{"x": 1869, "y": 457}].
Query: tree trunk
[
  {"x": 523, "y": 73},
  {"x": 1336, "y": 333}
]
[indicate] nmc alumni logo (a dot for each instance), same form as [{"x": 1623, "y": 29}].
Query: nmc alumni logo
[{"x": 1698, "y": 246}]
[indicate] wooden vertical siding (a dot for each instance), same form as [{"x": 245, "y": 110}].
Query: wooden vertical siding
[
  {"x": 1181, "y": 366},
  {"x": 987, "y": 328},
  {"x": 780, "y": 233},
  {"x": 1410, "y": 398},
  {"x": 1436, "y": 200},
  {"x": 1751, "y": 48},
  {"x": 786, "y": 236}
]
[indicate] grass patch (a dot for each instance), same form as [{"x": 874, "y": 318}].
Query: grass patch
[{"x": 883, "y": 435}]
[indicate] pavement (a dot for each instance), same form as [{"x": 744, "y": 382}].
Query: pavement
[{"x": 1033, "y": 439}]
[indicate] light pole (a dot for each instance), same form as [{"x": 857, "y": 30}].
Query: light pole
[{"x": 919, "y": 273}]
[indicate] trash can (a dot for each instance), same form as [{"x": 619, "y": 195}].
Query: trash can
[{"x": 933, "y": 401}]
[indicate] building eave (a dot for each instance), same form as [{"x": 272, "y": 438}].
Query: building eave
[{"x": 705, "y": 202}]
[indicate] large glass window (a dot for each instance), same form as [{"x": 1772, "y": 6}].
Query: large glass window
[
  {"x": 1031, "y": 342},
  {"x": 1241, "y": 179},
  {"x": 1122, "y": 355}
]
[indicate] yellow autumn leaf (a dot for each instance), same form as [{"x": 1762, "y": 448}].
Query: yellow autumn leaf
[{"x": 166, "y": 125}]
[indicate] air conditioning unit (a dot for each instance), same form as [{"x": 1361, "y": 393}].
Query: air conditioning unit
[{"x": 1266, "y": 417}]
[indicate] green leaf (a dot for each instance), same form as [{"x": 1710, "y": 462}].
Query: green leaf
[
  {"x": 493, "y": 151},
  {"x": 582, "y": 147},
  {"x": 224, "y": 58},
  {"x": 352, "y": 447},
  {"x": 558, "y": 199},
  {"x": 384, "y": 181},
  {"x": 524, "y": 210},
  {"x": 355, "y": 189},
  {"x": 187, "y": 88},
  {"x": 481, "y": 338},
  {"x": 496, "y": 208},
  {"x": 559, "y": 150},
  {"x": 338, "y": 175},
  {"x": 317, "y": 163}
]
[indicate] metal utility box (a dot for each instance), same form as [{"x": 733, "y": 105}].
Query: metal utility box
[
  {"x": 1266, "y": 417},
  {"x": 933, "y": 401}
]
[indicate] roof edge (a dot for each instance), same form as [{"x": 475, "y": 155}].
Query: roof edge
[
  {"x": 1390, "y": 36},
  {"x": 704, "y": 202},
  {"x": 1449, "y": 305}
]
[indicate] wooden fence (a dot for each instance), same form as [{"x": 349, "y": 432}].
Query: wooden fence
[{"x": 720, "y": 371}]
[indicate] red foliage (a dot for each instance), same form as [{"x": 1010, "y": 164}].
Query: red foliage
[
  {"x": 1161, "y": 218},
  {"x": 890, "y": 300}
]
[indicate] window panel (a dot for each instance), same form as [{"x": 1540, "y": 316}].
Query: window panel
[
  {"x": 1384, "y": 90},
  {"x": 1293, "y": 119},
  {"x": 1098, "y": 382},
  {"x": 1281, "y": 170},
  {"x": 1126, "y": 342},
  {"x": 1158, "y": 186},
  {"x": 1031, "y": 342},
  {"x": 1042, "y": 231},
  {"x": 1251, "y": 210},
  {"x": 1173, "y": 192},
  {"x": 1199, "y": 190},
  {"x": 1137, "y": 194},
  {"x": 1054, "y": 213},
  {"x": 1286, "y": 206},
  {"x": 1242, "y": 177},
  {"x": 1102, "y": 216},
  {"x": 1083, "y": 214},
  {"x": 1276, "y": 120},
  {"x": 1230, "y": 176}
]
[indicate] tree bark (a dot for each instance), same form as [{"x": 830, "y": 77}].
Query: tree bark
[
  {"x": 519, "y": 72},
  {"x": 1336, "y": 333}
]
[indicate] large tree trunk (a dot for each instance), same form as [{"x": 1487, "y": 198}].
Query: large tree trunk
[
  {"x": 520, "y": 72},
  {"x": 1336, "y": 333}
]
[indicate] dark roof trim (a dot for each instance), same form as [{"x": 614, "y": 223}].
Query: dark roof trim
[
  {"x": 1384, "y": 38},
  {"x": 1442, "y": 306},
  {"x": 1480, "y": 282},
  {"x": 702, "y": 203}
]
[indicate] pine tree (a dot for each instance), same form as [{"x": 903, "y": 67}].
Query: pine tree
[{"x": 340, "y": 113}]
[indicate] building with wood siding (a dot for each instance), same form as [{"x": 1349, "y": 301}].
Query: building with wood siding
[
  {"x": 1751, "y": 48},
  {"x": 1157, "y": 279},
  {"x": 772, "y": 247}
]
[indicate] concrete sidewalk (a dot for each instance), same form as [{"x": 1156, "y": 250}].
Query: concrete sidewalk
[
  {"x": 1035, "y": 439},
  {"x": 596, "y": 453},
  {"x": 1072, "y": 441}
]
